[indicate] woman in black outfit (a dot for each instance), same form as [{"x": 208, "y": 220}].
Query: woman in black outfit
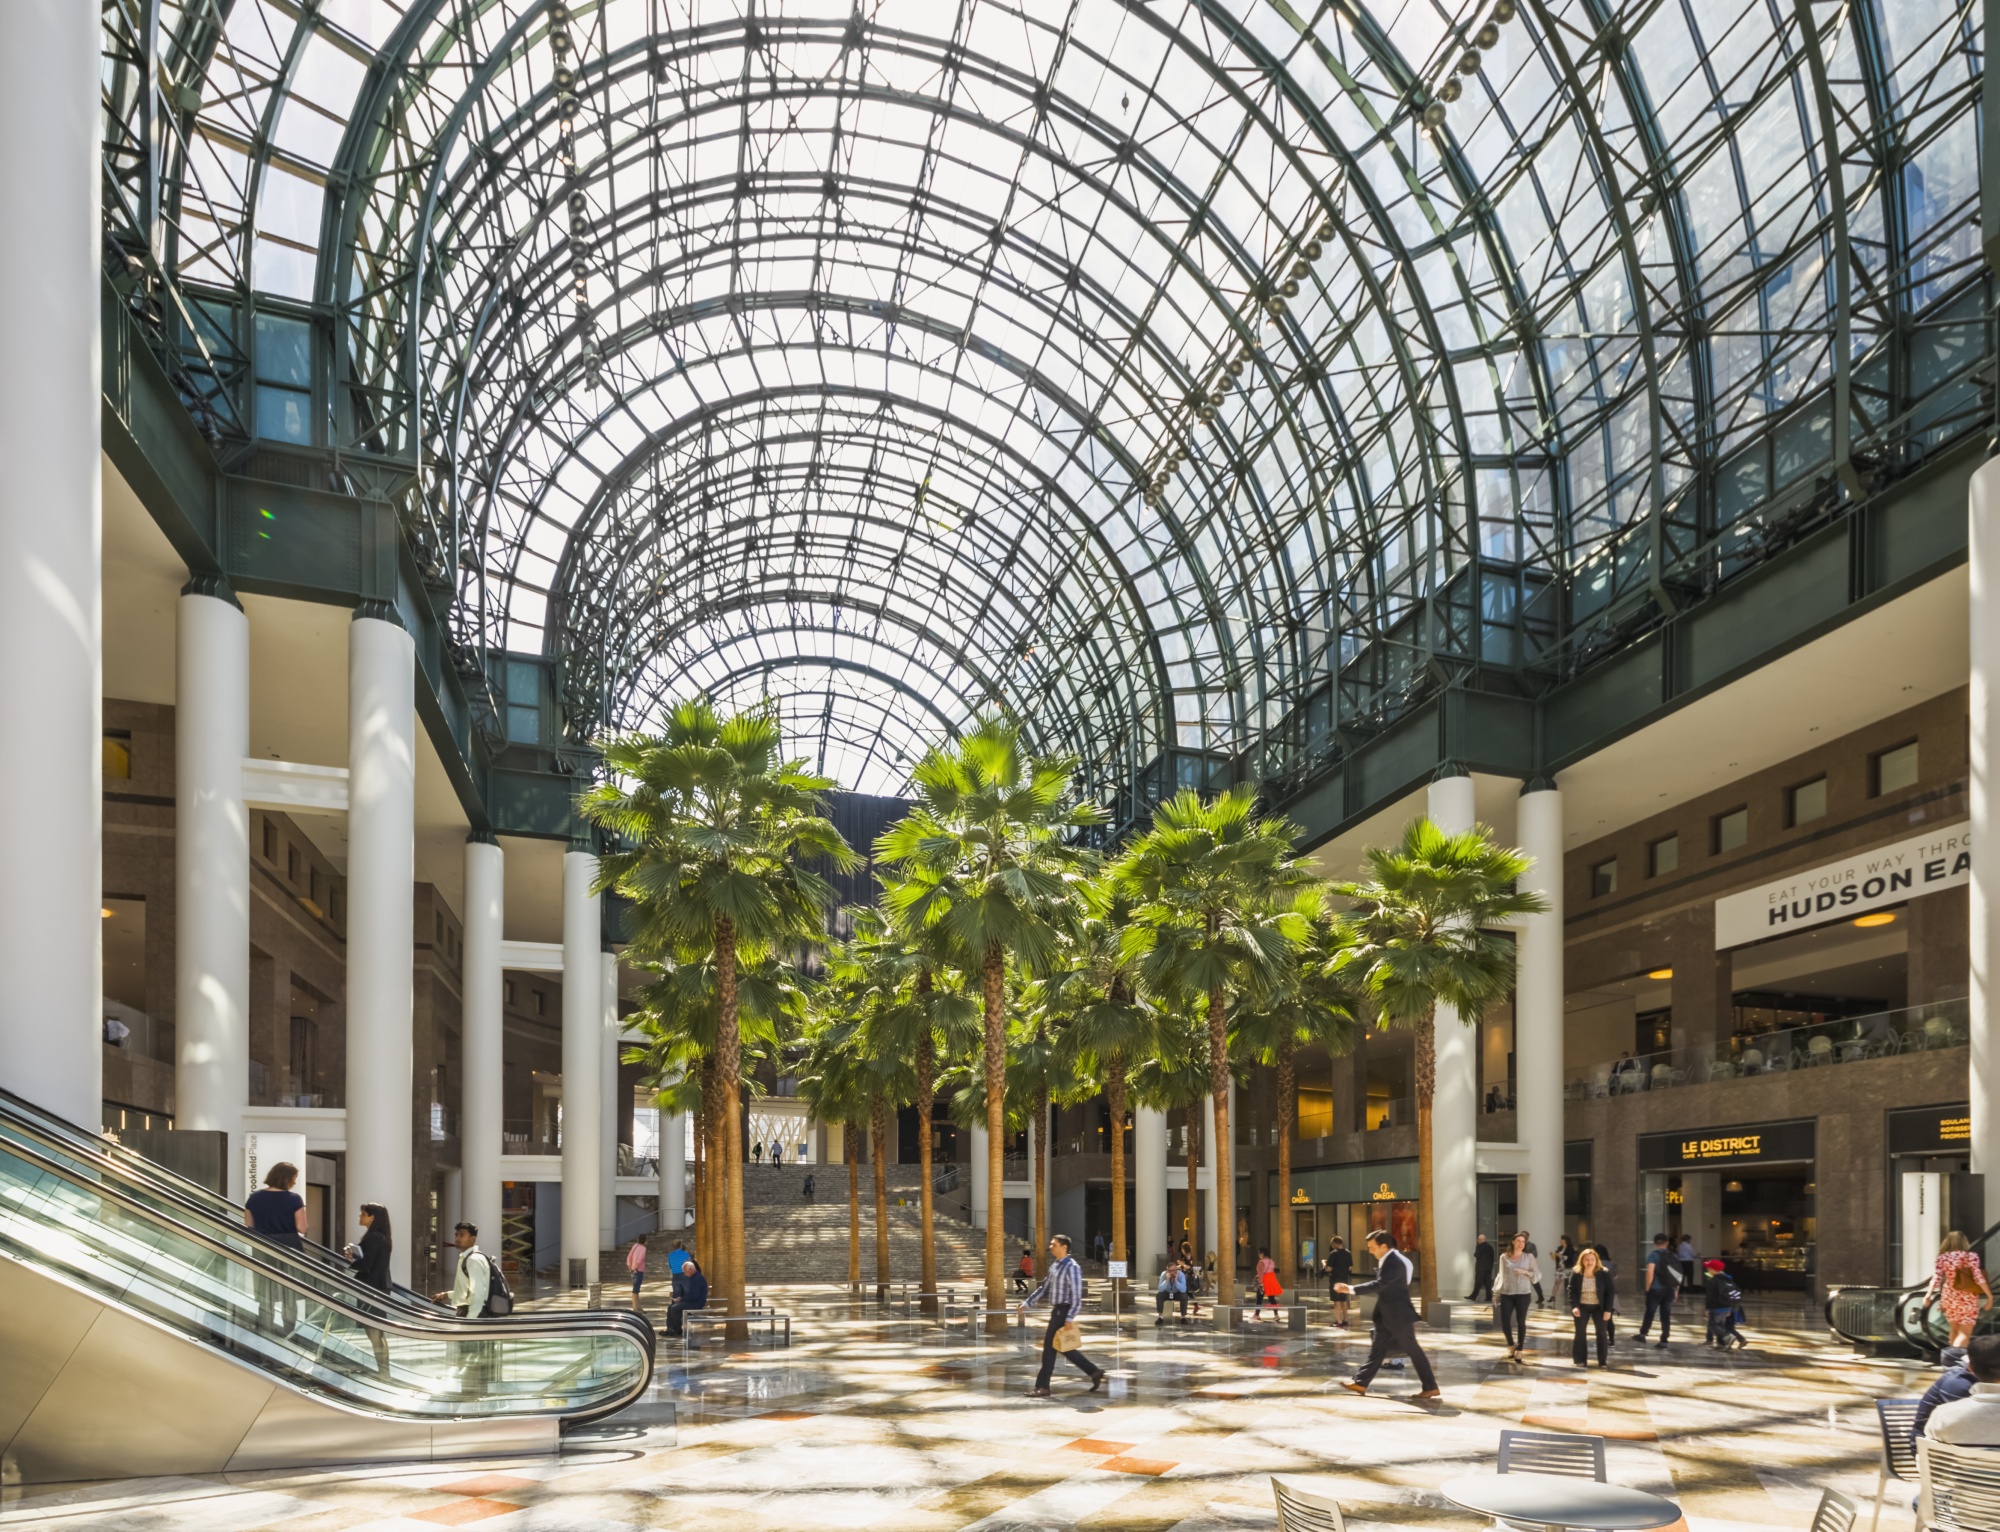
[
  {"x": 370, "y": 1263},
  {"x": 1593, "y": 1298},
  {"x": 1339, "y": 1271}
]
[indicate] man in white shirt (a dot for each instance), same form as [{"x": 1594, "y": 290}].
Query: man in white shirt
[
  {"x": 470, "y": 1289},
  {"x": 1975, "y": 1420}
]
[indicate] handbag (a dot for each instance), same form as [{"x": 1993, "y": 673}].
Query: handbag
[
  {"x": 1068, "y": 1338},
  {"x": 1963, "y": 1281}
]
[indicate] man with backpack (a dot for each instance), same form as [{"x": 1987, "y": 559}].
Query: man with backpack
[
  {"x": 478, "y": 1291},
  {"x": 1663, "y": 1282},
  {"x": 1722, "y": 1296}
]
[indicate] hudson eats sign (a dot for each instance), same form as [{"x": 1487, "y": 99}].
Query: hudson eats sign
[{"x": 1868, "y": 880}]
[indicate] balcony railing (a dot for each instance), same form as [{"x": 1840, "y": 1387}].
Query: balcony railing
[{"x": 1845, "y": 1040}]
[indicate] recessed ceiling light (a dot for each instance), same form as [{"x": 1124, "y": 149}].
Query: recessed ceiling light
[
  {"x": 1661, "y": 973},
  {"x": 1880, "y": 918}
]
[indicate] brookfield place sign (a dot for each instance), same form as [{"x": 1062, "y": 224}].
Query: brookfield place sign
[{"x": 1867, "y": 880}]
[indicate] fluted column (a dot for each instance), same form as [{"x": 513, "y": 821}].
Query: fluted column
[
  {"x": 212, "y": 868},
  {"x": 381, "y": 916},
  {"x": 1455, "y": 1103},
  {"x": 52, "y": 677},
  {"x": 1983, "y": 564},
  {"x": 1149, "y": 1190},
  {"x": 1538, "y": 1018},
  {"x": 483, "y": 1109},
  {"x": 583, "y": 1068}
]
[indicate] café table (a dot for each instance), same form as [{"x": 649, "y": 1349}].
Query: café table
[{"x": 1556, "y": 1501}]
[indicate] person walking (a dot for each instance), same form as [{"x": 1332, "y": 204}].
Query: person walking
[
  {"x": 1959, "y": 1286},
  {"x": 1395, "y": 1317},
  {"x": 635, "y": 1263},
  {"x": 1063, "y": 1287},
  {"x": 756, "y": 1152},
  {"x": 690, "y": 1292},
  {"x": 1663, "y": 1280},
  {"x": 277, "y": 1213},
  {"x": 369, "y": 1261},
  {"x": 1541, "y": 1299},
  {"x": 1684, "y": 1252},
  {"x": 1339, "y": 1272},
  {"x": 1024, "y": 1270},
  {"x": 1721, "y": 1295},
  {"x": 1593, "y": 1299},
  {"x": 809, "y": 1189},
  {"x": 1518, "y": 1273},
  {"x": 1483, "y": 1255},
  {"x": 1267, "y": 1285}
]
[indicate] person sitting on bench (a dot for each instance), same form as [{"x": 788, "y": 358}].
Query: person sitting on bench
[{"x": 692, "y": 1293}]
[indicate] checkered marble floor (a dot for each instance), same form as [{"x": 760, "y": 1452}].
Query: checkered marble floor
[{"x": 890, "y": 1426}]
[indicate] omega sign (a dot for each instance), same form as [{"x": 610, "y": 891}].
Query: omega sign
[{"x": 1868, "y": 880}]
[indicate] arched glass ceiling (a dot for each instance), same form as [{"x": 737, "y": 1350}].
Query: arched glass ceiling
[{"x": 1142, "y": 367}]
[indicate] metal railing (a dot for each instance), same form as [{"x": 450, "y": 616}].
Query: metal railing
[{"x": 1843, "y": 1040}]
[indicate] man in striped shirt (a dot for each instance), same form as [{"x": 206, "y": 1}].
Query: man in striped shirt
[{"x": 1064, "y": 1290}]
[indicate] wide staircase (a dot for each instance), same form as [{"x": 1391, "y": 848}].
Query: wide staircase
[{"x": 790, "y": 1240}]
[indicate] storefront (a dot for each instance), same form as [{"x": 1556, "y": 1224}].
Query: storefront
[
  {"x": 1347, "y": 1201},
  {"x": 1933, "y": 1142},
  {"x": 1744, "y": 1192}
]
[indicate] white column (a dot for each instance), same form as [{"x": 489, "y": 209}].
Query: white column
[
  {"x": 1538, "y": 1019},
  {"x": 607, "y": 1163},
  {"x": 583, "y": 1065},
  {"x": 673, "y": 1173},
  {"x": 212, "y": 869},
  {"x": 381, "y": 919},
  {"x": 1211, "y": 1231},
  {"x": 978, "y": 1177},
  {"x": 1149, "y": 1190},
  {"x": 483, "y": 1097},
  {"x": 1455, "y": 1104},
  {"x": 1983, "y": 563},
  {"x": 52, "y": 678}
]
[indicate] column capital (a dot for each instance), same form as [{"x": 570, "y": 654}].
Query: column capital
[
  {"x": 1449, "y": 769},
  {"x": 481, "y": 838},
  {"x": 1540, "y": 782},
  {"x": 210, "y": 584},
  {"x": 378, "y": 611}
]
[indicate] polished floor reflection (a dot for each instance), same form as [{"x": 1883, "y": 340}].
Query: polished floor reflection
[{"x": 889, "y": 1425}]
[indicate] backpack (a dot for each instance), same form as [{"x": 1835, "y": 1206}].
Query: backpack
[{"x": 499, "y": 1296}]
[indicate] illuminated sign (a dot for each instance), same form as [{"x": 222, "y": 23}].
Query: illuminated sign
[
  {"x": 1930, "y": 1130},
  {"x": 1383, "y": 1194},
  {"x": 1868, "y": 880},
  {"x": 1762, "y": 1141},
  {"x": 1676, "y": 1197},
  {"x": 1300, "y": 1199}
]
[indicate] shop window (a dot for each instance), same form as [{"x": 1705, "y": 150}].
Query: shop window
[
  {"x": 1315, "y": 1111},
  {"x": 1805, "y": 803},
  {"x": 1731, "y": 830},
  {"x": 1663, "y": 856},
  {"x": 1890, "y": 771},
  {"x": 118, "y": 755},
  {"x": 1604, "y": 878}
]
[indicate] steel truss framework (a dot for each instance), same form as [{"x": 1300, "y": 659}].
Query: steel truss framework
[{"x": 1208, "y": 381}]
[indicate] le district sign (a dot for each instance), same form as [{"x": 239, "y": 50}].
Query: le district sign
[{"x": 1868, "y": 880}]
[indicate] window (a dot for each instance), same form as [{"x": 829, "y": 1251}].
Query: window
[
  {"x": 541, "y": 1002},
  {"x": 1892, "y": 770},
  {"x": 270, "y": 841},
  {"x": 284, "y": 379},
  {"x": 291, "y": 864},
  {"x": 118, "y": 755},
  {"x": 524, "y": 702},
  {"x": 1805, "y": 803},
  {"x": 1731, "y": 830},
  {"x": 1663, "y": 856},
  {"x": 437, "y": 918},
  {"x": 509, "y": 986},
  {"x": 1604, "y": 878}
]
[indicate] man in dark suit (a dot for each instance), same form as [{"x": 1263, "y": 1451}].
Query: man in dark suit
[{"x": 1395, "y": 1316}]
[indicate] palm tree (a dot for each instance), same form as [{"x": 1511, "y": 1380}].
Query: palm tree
[
  {"x": 1219, "y": 906},
  {"x": 1106, "y": 1028},
  {"x": 864, "y": 982},
  {"x": 1039, "y": 1071},
  {"x": 720, "y": 834},
  {"x": 837, "y": 1091},
  {"x": 1313, "y": 1005},
  {"x": 983, "y": 862},
  {"x": 1419, "y": 935}
]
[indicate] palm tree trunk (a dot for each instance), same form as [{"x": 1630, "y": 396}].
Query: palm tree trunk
[
  {"x": 1426, "y": 1086},
  {"x": 850, "y": 1141},
  {"x": 1225, "y": 1186},
  {"x": 1194, "y": 1177},
  {"x": 1038, "y": 1168},
  {"x": 1287, "y": 1101},
  {"x": 926, "y": 1099},
  {"x": 1114, "y": 1092},
  {"x": 878, "y": 1157},
  {"x": 993, "y": 989},
  {"x": 729, "y": 1066}
]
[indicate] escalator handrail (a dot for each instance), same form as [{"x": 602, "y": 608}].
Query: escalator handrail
[
  {"x": 412, "y": 1324},
  {"x": 1902, "y": 1305}
]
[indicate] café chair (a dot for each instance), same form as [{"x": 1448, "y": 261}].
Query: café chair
[
  {"x": 1835, "y": 1513},
  {"x": 1897, "y": 1420},
  {"x": 1960, "y": 1488},
  {"x": 1575, "y": 1457},
  {"x": 1300, "y": 1512}
]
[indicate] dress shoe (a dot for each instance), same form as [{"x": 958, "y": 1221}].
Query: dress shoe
[
  {"x": 1431, "y": 1393},
  {"x": 1097, "y": 1383},
  {"x": 1355, "y": 1388},
  {"x": 1038, "y": 1393}
]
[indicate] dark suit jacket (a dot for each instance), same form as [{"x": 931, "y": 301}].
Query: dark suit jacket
[
  {"x": 1482, "y": 1261},
  {"x": 371, "y": 1261},
  {"x": 1607, "y": 1289},
  {"x": 1391, "y": 1287}
]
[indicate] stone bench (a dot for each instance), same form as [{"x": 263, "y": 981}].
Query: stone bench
[
  {"x": 1242, "y": 1316},
  {"x": 770, "y": 1319}
]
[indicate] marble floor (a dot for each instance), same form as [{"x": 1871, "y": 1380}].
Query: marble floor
[{"x": 890, "y": 1426}]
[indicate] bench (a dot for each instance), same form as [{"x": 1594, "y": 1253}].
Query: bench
[
  {"x": 1241, "y": 1317},
  {"x": 770, "y": 1319}
]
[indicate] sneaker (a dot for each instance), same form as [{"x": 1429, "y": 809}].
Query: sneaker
[
  {"x": 1662, "y": 1346},
  {"x": 1038, "y": 1393}
]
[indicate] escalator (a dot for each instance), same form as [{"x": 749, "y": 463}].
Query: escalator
[
  {"x": 142, "y": 1331},
  {"x": 1896, "y": 1321}
]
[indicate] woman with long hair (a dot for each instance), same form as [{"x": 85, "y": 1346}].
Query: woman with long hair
[
  {"x": 1959, "y": 1286},
  {"x": 1592, "y": 1301},
  {"x": 1519, "y": 1271},
  {"x": 369, "y": 1262}
]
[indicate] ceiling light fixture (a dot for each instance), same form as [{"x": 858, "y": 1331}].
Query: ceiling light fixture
[
  {"x": 1661, "y": 973},
  {"x": 1879, "y": 918}
]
